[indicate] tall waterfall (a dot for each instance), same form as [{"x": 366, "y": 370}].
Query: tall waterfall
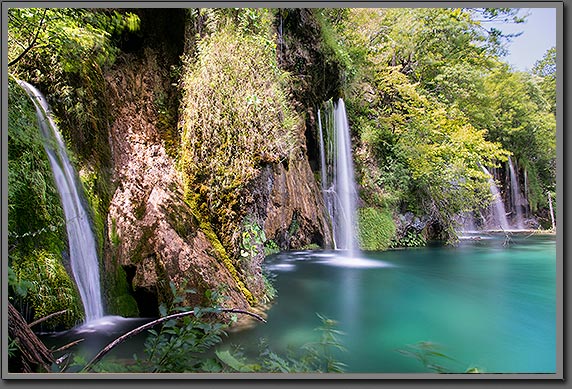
[
  {"x": 498, "y": 213},
  {"x": 338, "y": 183},
  {"x": 83, "y": 255},
  {"x": 517, "y": 200}
]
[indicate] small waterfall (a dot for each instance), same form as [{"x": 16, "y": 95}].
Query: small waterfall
[
  {"x": 338, "y": 183},
  {"x": 517, "y": 200},
  {"x": 322, "y": 154},
  {"x": 83, "y": 254},
  {"x": 467, "y": 222},
  {"x": 498, "y": 213}
]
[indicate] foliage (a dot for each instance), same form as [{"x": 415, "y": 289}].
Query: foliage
[
  {"x": 412, "y": 238},
  {"x": 252, "y": 240},
  {"x": 546, "y": 68},
  {"x": 63, "y": 51},
  {"x": 180, "y": 348},
  {"x": 53, "y": 290},
  {"x": 235, "y": 118},
  {"x": 18, "y": 285},
  {"x": 433, "y": 148},
  {"x": 69, "y": 35},
  {"x": 426, "y": 106},
  {"x": 191, "y": 345},
  {"x": 522, "y": 122},
  {"x": 376, "y": 229},
  {"x": 313, "y": 357},
  {"x": 271, "y": 247},
  {"x": 430, "y": 355}
]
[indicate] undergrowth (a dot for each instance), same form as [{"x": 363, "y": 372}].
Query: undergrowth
[{"x": 192, "y": 344}]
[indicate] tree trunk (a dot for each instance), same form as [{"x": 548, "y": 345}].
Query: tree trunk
[
  {"x": 32, "y": 355},
  {"x": 551, "y": 212}
]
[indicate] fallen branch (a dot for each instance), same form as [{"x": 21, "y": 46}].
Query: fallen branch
[
  {"x": 68, "y": 346},
  {"x": 43, "y": 319},
  {"x": 34, "y": 355},
  {"x": 153, "y": 323}
]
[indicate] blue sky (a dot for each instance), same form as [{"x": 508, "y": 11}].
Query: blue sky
[{"x": 539, "y": 34}]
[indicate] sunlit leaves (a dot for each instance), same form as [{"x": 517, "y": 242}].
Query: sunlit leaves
[{"x": 72, "y": 35}]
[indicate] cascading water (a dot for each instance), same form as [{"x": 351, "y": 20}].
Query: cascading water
[
  {"x": 338, "y": 183},
  {"x": 498, "y": 213},
  {"x": 517, "y": 200},
  {"x": 83, "y": 255}
]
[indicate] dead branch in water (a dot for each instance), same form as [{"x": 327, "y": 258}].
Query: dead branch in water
[{"x": 153, "y": 323}]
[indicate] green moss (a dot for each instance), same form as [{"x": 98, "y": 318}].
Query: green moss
[
  {"x": 179, "y": 218},
  {"x": 220, "y": 250},
  {"x": 139, "y": 210},
  {"x": 115, "y": 239},
  {"x": 121, "y": 302},
  {"x": 294, "y": 225},
  {"x": 97, "y": 209},
  {"x": 376, "y": 228}
]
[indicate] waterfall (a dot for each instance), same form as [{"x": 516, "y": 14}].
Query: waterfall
[
  {"x": 322, "y": 154},
  {"x": 517, "y": 200},
  {"x": 338, "y": 183},
  {"x": 83, "y": 255},
  {"x": 498, "y": 213}
]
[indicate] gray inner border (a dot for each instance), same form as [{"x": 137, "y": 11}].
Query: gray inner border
[{"x": 559, "y": 375}]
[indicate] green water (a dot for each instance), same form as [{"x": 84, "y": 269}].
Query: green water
[{"x": 485, "y": 304}]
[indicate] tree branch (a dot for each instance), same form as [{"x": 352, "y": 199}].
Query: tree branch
[
  {"x": 46, "y": 318},
  {"x": 23, "y": 53},
  {"x": 153, "y": 323}
]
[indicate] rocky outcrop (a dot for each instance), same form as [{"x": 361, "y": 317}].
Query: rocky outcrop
[
  {"x": 291, "y": 203},
  {"x": 153, "y": 233}
]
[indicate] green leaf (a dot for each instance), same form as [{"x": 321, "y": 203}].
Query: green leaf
[
  {"x": 211, "y": 365},
  {"x": 228, "y": 359}
]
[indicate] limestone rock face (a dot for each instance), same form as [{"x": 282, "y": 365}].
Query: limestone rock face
[
  {"x": 154, "y": 234},
  {"x": 290, "y": 204}
]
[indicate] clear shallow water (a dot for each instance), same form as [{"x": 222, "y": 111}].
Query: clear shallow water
[{"x": 486, "y": 305}]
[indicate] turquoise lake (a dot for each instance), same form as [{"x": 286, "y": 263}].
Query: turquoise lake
[{"x": 484, "y": 304}]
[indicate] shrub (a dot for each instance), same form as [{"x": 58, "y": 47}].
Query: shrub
[{"x": 376, "y": 228}]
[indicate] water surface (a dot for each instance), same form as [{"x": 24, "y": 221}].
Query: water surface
[{"x": 486, "y": 304}]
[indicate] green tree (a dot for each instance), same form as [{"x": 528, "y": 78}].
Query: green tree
[
  {"x": 68, "y": 35},
  {"x": 521, "y": 119},
  {"x": 546, "y": 69}
]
